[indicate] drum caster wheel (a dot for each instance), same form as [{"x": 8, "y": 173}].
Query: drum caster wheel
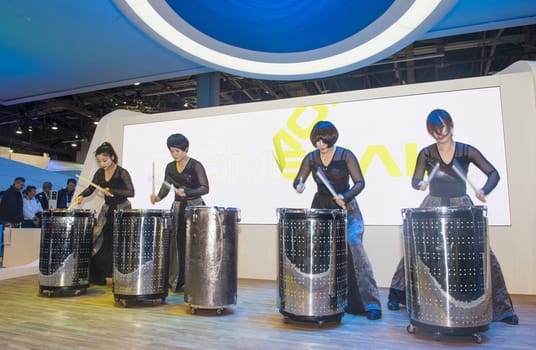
[
  {"x": 219, "y": 311},
  {"x": 411, "y": 329},
  {"x": 193, "y": 311},
  {"x": 125, "y": 303},
  {"x": 321, "y": 324},
  {"x": 285, "y": 319},
  {"x": 477, "y": 337},
  {"x": 437, "y": 336}
]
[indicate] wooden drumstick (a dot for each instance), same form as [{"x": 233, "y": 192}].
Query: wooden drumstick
[
  {"x": 152, "y": 188},
  {"x": 93, "y": 184},
  {"x": 326, "y": 182},
  {"x": 465, "y": 178},
  {"x": 433, "y": 173}
]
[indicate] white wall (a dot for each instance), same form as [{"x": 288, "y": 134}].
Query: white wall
[{"x": 514, "y": 245}]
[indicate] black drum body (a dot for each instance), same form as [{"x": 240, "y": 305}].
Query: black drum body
[
  {"x": 211, "y": 257},
  {"x": 65, "y": 251},
  {"x": 141, "y": 255},
  {"x": 447, "y": 269},
  {"x": 312, "y": 264}
]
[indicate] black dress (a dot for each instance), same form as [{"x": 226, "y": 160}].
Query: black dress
[
  {"x": 193, "y": 180},
  {"x": 120, "y": 185}
]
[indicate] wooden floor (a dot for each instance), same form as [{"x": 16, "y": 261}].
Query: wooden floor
[{"x": 94, "y": 321}]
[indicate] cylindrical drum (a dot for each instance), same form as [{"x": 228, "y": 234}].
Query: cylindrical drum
[
  {"x": 211, "y": 257},
  {"x": 65, "y": 250},
  {"x": 312, "y": 264},
  {"x": 140, "y": 255},
  {"x": 447, "y": 268}
]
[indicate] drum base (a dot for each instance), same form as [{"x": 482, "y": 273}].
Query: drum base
[
  {"x": 309, "y": 319},
  {"x": 193, "y": 308},
  {"x": 438, "y": 331},
  {"x": 62, "y": 291},
  {"x": 128, "y": 300}
]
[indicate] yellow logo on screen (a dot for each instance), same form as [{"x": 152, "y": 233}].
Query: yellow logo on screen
[{"x": 289, "y": 147}]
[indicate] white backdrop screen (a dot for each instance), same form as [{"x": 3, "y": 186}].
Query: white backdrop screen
[{"x": 251, "y": 158}]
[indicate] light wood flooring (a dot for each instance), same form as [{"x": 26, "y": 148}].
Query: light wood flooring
[{"x": 95, "y": 321}]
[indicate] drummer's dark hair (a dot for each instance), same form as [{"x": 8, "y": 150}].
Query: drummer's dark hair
[
  {"x": 178, "y": 141},
  {"x": 437, "y": 119},
  {"x": 107, "y": 149},
  {"x": 325, "y": 131}
]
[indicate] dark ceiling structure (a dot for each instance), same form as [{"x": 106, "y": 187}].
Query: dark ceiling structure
[{"x": 59, "y": 126}]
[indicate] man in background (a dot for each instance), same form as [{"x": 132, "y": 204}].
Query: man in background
[
  {"x": 43, "y": 197},
  {"x": 11, "y": 204},
  {"x": 65, "y": 195}
]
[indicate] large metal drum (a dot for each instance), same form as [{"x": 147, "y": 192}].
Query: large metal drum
[
  {"x": 211, "y": 257},
  {"x": 447, "y": 269},
  {"x": 140, "y": 255},
  {"x": 65, "y": 251},
  {"x": 312, "y": 264}
]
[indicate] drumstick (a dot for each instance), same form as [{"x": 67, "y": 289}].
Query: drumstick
[
  {"x": 326, "y": 182},
  {"x": 165, "y": 183},
  {"x": 465, "y": 178},
  {"x": 93, "y": 184},
  {"x": 72, "y": 205},
  {"x": 433, "y": 173},
  {"x": 152, "y": 187}
]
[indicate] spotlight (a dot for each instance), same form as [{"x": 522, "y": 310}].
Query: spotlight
[
  {"x": 19, "y": 130},
  {"x": 54, "y": 126}
]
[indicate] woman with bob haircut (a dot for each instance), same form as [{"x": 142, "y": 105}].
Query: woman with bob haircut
[
  {"x": 339, "y": 165},
  {"x": 188, "y": 178},
  {"x": 447, "y": 188},
  {"x": 118, "y": 187}
]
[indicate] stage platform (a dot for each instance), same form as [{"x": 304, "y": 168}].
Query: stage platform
[{"x": 95, "y": 321}]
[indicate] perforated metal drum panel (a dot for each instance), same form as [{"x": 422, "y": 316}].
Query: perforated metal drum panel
[
  {"x": 312, "y": 262},
  {"x": 65, "y": 248},
  {"x": 211, "y": 256},
  {"x": 141, "y": 253},
  {"x": 447, "y": 266}
]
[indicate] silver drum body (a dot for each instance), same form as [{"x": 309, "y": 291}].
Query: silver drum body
[
  {"x": 312, "y": 264},
  {"x": 448, "y": 282},
  {"x": 141, "y": 254},
  {"x": 211, "y": 257},
  {"x": 65, "y": 250}
]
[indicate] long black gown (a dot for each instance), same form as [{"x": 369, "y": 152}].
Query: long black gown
[{"x": 193, "y": 180}]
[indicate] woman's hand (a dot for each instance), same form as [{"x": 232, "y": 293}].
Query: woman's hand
[
  {"x": 481, "y": 196},
  {"x": 340, "y": 201},
  {"x": 107, "y": 192},
  {"x": 423, "y": 185},
  {"x": 180, "y": 192},
  {"x": 300, "y": 187},
  {"x": 154, "y": 199},
  {"x": 78, "y": 199}
]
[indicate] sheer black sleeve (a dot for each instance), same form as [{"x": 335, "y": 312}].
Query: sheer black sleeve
[
  {"x": 127, "y": 188},
  {"x": 305, "y": 170},
  {"x": 486, "y": 167},
  {"x": 355, "y": 174},
  {"x": 164, "y": 189},
  {"x": 98, "y": 177},
  {"x": 202, "y": 182},
  {"x": 420, "y": 168}
]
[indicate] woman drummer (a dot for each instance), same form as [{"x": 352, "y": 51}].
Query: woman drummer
[
  {"x": 448, "y": 188},
  {"x": 339, "y": 165},
  {"x": 116, "y": 185},
  {"x": 189, "y": 181}
]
